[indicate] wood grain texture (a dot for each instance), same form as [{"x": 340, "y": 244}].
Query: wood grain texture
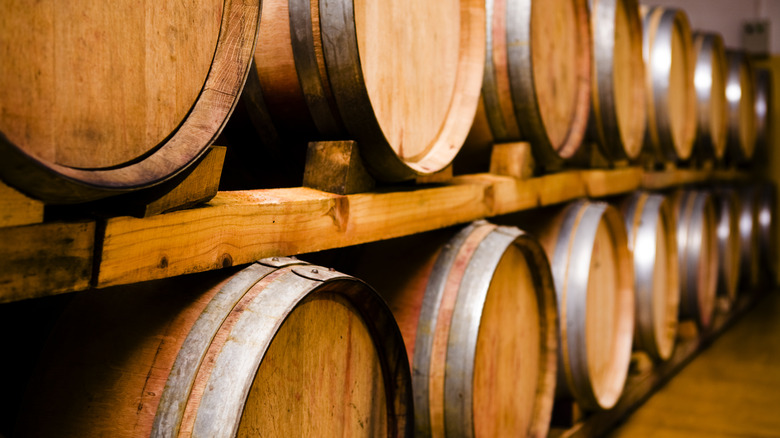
[
  {"x": 104, "y": 100},
  {"x": 17, "y": 209},
  {"x": 45, "y": 259},
  {"x": 239, "y": 227}
]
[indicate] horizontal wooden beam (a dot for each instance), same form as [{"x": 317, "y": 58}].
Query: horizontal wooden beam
[{"x": 241, "y": 227}]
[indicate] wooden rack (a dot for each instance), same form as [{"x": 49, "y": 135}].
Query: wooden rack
[{"x": 240, "y": 227}]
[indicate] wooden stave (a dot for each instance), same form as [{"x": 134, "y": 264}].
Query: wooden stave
[
  {"x": 728, "y": 244},
  {"x": 338, "y": 104},
  {"x": 526, "y": 118},
  {"x": 739, "y": 152},
  {"x": 711, "y": 55},
  {"x": 695, "y": 214},
  {"x": 548, "y": 228},
  {"x": 643, "y": 213},
  {"x": 659, "y": 138},
  {"x": 281, "y": 275},
  {"x": 603, "y": 124},
  {"x": 59, "y": 184}
]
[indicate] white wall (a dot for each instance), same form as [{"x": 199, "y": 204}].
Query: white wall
[{"x": 727, "y": 16}]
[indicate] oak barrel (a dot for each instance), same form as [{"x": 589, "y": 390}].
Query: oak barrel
[
  {"x": 652, "y": 238},
  {"x": 764, "y": 89},
  {"x": 710, "y": 83},
  {"x": 749, "y": 238},
  {"x": 106, "y": 98},
  {"x": 477, "y": 311},
  {"x": 594, "y": 282},
  {"x": 697, "y": 248},
  {"x": 401, "y": 78},
  {"x": 618, "y": 113},
  {"x": 280, "y": 347},
  {"x": 669, "y": 59},
  {"x": 727, "y": 211},
  {"x": 536, "y": 84},
  {"x": 740, "y": 95},
  {"x": 767, "y": 223}
]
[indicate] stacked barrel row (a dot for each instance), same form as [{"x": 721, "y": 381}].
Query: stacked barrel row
[
  {"x": 478, "y": 331},
  {"x": 413, "y": 83}
]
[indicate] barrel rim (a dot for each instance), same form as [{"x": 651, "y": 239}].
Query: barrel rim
[{"x": 58, "y": 184}]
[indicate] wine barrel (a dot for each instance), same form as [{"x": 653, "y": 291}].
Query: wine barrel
[
  {"x": 618, "y": 115},
  {"x": 749, "y": 239},
  {"x": 594, "y": 279},
  {"x": 740, "y": 95},
  {"x": 652, "y": 239},
  {"x": 536, "y": 84},
  {"x": 480, "y": 305},
  {"x": 710, "y": 83},
  {"x": 401, "y": 78},
  {"x": 728, "y": 244},
  {"x": 767, "y": 231},
  {"x": 280, "y": 347},
  {"x": 103, "y": 99},
  {"x": 670, "y": 64},
  {"x": 697, "y": 248},
  {"x": 764, "y": 95}
]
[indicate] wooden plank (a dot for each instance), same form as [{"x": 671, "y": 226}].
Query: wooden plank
[
  {"x": 17, "y": 209},
  {"x": 45, "y": 259},
  {"x": 240, "y": 227},
  {"x": 599, "y": 183}
]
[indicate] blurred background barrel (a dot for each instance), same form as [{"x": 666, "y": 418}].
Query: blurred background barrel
[
  {"x": 109, "y": 98},
  {"x": 710, "y": 83},
  {"x": 652, "y": 238},
  {"x": 697, "y": 247},
  {"x": 478, "y": 314},
  {"x": 740, "y": 95},
  {"x": 618, "y": 113},
  {"x": 669, "y": 60},
  {"x": 750, "y": 238},
  {"x": 536, "y": 85},
  {"x": 401, "y": 78},
  {"x": 594, "y": 281},
  {"x": 767, "y": 206},
  {"x": 727, "y": 211},
  {"x": 764, "y": 89},
  {"x": 280, "y": 345}
]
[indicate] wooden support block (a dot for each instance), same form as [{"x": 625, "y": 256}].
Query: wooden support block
[
  {"x": 17, "y": 209},
  {"x": 597, "y": 159},
  {"x": 45, "y": 259},
  {"x": 687, "y": 330},
  {"x": 440, "y": 177},
  {"x": 512, "y": 159},
  {"x": 641, "y": 363},
  {"x": 336, "y": 167},
  {"x": 198, "y": 186}
]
